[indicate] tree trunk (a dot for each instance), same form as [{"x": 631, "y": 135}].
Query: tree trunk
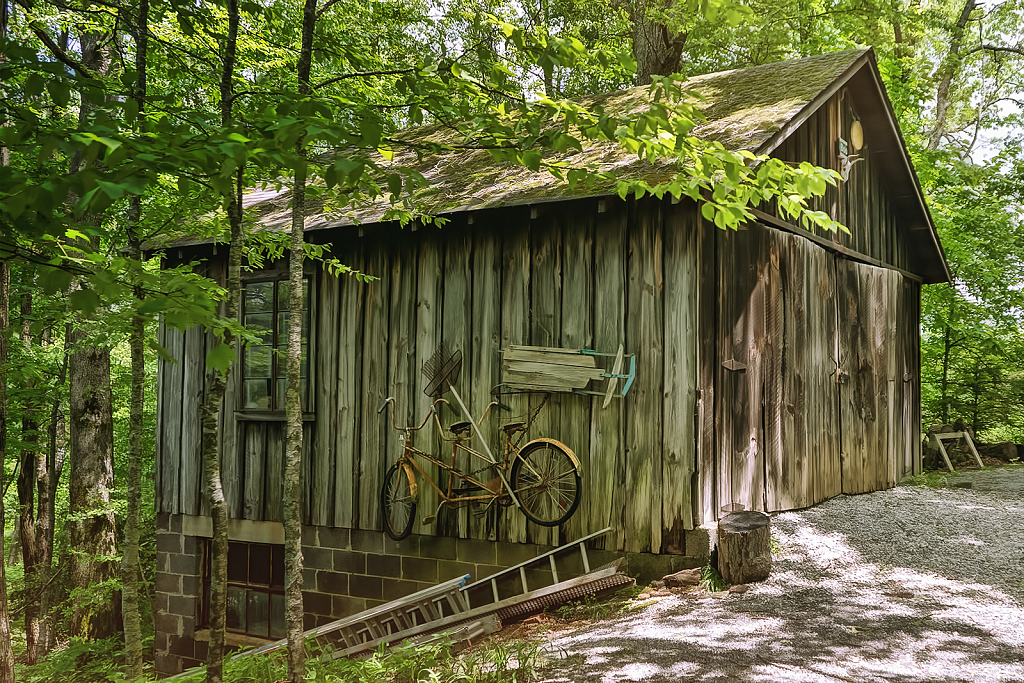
[
  {"x": 744, "y": 547},
  {"x": 31, "y": 454},
  {"x": 219, "y": 382},
  {"x": 293, "y": 400},
  {"x": 131, "y": 569},
  {"x": 657, "y": 49},
  {"x": 946, "y": 73},
  {"x": 91, "y": 530},
  {"x": 6, "y": 653},
  {"x": 91, "y": 526}
]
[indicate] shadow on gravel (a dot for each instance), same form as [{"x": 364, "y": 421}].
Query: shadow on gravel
[{"x": 910, "y": 594}]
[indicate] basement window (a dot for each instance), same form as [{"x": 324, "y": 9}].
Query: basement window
[
  {"x": 255, "y": 589},
  {"x": 265, "y": 364}
]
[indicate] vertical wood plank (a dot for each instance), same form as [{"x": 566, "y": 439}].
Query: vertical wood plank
[
  {"x": 680, "y": 374},
  {"x": 328, "y": 324},
  {"x": 515, "y": 329},
  {"x": 456, "y": 332},
  {"x": 348, "y": 340},
  {"x": 192, "y": 400},
  {"x": 372, "y": 443},
  {"x": 255, "y": 444},
  {"x": 645, "y": 333},
  {"x": 545, "y": 328},
  {"x": 485, "y": 358},
  {"x": 708, "y": 363},
  {"x": 404, "y": 374},
  {"x": 273, "y": 494},
  {"x": 822, "y": 403},
  {"x": 429, "y": 304},
  {"x": 741, "y": 265},
  {"x": 159, "y": 452},
  {"x": 605, "y": 478},
  {"x": 578, "y": 333},
  {"x": 784, "y": 456}
]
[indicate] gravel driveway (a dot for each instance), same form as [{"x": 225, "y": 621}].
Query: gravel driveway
[{"x": 911, "y": 584}]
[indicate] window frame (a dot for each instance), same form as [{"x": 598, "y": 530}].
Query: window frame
[
  {"x": 269, "y": 589},
  {"x": 276, "y": 274}
]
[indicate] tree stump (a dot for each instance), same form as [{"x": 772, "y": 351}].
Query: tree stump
[{"x": 744, "y": 547}]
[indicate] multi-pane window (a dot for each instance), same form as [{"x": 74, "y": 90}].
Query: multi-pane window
[
  {"x": 264, "y": 366},
  {"x": 255, "y": 589}
]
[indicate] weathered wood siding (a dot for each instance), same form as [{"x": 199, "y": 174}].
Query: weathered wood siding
[
  {"x": 585, "y": 274},
  {"x": 863, "y": 202}
]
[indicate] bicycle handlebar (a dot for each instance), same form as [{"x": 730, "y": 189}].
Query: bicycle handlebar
[{"x": 393, "y": 402}]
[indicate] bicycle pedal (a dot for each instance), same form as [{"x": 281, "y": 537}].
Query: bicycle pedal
[{"x": 430, "y": 519}]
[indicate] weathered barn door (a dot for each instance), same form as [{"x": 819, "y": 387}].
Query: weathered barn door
[
  {"x": 801, "y": 395},
  {"x": 871, "y": 377},
  {"x": 816, "y": 373}
]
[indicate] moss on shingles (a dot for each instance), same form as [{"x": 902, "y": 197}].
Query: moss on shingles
[{"x": 743, "y": 108}]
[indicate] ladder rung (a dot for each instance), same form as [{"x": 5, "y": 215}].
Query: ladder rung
[{"x": 554, "y": 571}]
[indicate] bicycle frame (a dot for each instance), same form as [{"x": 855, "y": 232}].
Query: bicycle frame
[{"x": 410, "y": 454}]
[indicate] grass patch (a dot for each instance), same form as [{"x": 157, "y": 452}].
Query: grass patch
[
  {"x": 592, "y": 608},
  {"x": 935, "y": 479},
  {"x": 493, "y": 662}
]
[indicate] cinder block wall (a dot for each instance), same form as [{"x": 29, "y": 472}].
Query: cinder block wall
[{"x": 347, "y": 571}]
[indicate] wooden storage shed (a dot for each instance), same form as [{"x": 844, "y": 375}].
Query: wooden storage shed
[{"x": 775, "y": 368}]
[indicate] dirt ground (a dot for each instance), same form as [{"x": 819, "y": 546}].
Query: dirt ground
[{"x": 912, "y": 584}]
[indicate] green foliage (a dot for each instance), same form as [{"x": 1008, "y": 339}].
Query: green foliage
[
  {"x": 594, "y": 608},
  {"x": 711, "y": 580},
  {"x": 492, "y": 662},
  {"x": 99, "y": 661}
]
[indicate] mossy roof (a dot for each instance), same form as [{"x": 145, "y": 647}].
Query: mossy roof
[{"x": 743, "y": 108}]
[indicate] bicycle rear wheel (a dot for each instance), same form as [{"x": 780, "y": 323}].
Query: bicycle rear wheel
[
  {"x": 398, "y": 502},
  {"x": 547, "y": 483}
]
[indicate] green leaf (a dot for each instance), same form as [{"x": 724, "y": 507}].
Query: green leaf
[
  {"x": 220, "y": 357},
  {"x": 531, "y": 159},
  {"x": 395, "y": 184},
  {"x": 84, "y": 300},
  {"x": 155, "y": 304},
  {"x": 59, "y": 91},
  {"x": 371, "y": 130},
  {"x": 54, "y": 280}
]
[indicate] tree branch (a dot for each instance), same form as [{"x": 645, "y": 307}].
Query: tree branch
[{"x": 996, "y": 48}]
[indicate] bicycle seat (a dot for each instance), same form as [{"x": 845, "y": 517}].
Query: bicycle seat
[
  {"x": 457, "y": 428},
  {"x": 513, "y": 427}
]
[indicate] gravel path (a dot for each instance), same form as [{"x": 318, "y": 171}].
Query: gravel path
[{"x": 911, "y": 584}]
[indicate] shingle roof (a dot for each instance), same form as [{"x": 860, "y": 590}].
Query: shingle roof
[{"x": 744, "y": 109}]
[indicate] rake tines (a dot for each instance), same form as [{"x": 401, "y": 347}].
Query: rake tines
[{"x": 441, "y": 370}]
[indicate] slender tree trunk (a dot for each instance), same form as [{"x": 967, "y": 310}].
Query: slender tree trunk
[
  {"x": 947, "y": 71},
  {"x": 131, "y": 568},
  {"x": 31, "y": 550},
  {"x": 947, "y": 344},
  {"x": 293, "y": 400},
  {"x": 91, "y": 526},
  {"x": 47, "y": 481},
  {"x": 6, "y": 653},
  {"x": 219, "y": 382}
]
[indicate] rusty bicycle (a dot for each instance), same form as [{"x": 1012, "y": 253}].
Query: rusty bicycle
[{"x": 541, "y": 478}]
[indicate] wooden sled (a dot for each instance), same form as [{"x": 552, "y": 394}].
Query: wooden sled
[{"x": 538, "y": 368}]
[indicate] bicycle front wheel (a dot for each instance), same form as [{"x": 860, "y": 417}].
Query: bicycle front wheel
[
  {"x": 398, "y": 502},
  {"x": 547, "y": 483}
]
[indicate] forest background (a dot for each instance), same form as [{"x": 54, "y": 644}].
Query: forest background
[{"x": 120, "y": 118}]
